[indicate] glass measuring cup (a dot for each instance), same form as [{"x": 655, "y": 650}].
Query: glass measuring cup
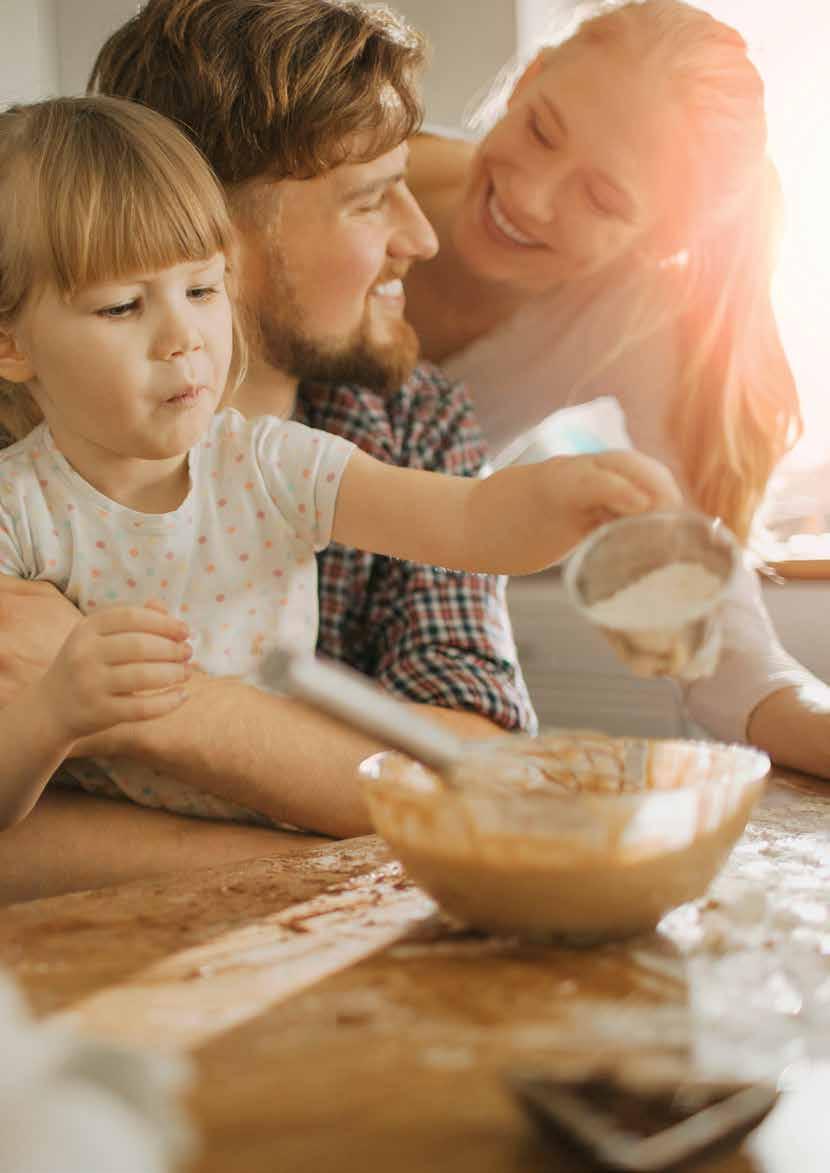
[{"x": 679, "y": 638}]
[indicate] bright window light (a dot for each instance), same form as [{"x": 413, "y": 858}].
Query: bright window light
[{"x": 788, "y": 43}]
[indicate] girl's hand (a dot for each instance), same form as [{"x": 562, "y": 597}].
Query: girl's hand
[
  {"x": 122, "y": 664},
  {"x": 589, "y": 490}
]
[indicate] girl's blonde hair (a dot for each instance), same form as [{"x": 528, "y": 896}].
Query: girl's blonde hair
[
  {"x": 95, "y": 189},
  {"x": 708, "y": 264}
]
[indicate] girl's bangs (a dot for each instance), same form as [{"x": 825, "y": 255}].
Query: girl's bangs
[{"x": 151, "y": 205}]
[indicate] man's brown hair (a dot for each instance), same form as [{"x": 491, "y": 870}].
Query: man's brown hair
[{"x": 270, "y": 87}]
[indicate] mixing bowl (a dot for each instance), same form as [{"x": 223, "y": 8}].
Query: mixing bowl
[{"x": 570, "y": 834}]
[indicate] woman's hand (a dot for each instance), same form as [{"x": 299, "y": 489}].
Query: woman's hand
[{"x": 122, "y": 664}]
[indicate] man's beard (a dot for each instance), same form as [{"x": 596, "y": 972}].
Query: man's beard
[{"x": 361, "y": 360}]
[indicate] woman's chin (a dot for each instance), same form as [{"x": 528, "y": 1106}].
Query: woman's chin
[
  {"x": 498, "y": 266},
  {"x": 527, "y": 270}
]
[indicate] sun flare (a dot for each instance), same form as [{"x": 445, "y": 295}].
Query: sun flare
[
  {"x": 802, "y": 288},
  {"x": 788, "y": 46}
]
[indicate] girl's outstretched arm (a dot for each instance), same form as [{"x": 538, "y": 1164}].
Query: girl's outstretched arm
[{"x": 517, "y": 521}]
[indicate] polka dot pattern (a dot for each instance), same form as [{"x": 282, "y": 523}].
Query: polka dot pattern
[{"x": 236, "y": 557}]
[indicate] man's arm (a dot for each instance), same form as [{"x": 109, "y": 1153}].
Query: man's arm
[
  {"x": 261, "y": 751},
  {"x": 269, "y": 753},
  {"x": 35, "y": 619},
  {"x": 72, "y": 841}
]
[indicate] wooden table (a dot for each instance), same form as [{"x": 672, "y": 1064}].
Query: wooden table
[{"x": 338, "y": 1023}]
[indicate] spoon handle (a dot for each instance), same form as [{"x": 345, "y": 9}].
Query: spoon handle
[{"x": 347, "y": 695}]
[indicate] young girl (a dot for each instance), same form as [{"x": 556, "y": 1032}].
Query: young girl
[{"x": 117, "y": 333}]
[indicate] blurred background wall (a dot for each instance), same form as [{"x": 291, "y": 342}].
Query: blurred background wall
[
  {"x": 47, "y": 46},
  {"x": 470, "y": 42}
]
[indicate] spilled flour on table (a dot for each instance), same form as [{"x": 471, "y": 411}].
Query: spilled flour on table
[{"x": 751, "y": 960}]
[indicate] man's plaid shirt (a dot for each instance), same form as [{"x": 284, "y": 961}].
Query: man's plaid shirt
[{"x": 434, "y": 636}]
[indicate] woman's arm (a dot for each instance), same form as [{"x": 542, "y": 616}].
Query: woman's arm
[
  {"x": 759, "y": 693},
  {"x": 793, "y": 726}
]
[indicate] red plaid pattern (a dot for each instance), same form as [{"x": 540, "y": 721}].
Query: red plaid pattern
[{"x": 434, "y": 636}]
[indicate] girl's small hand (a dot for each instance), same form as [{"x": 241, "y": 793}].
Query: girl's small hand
[
  {"x": 122, "y": 664},
  {"x": 594, "y": 489}
]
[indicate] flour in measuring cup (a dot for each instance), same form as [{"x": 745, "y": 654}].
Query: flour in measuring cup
[{"x": 668, "y": 597}]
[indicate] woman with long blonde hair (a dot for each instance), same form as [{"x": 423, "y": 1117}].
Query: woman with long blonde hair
[{"x": 614, "y": 233}]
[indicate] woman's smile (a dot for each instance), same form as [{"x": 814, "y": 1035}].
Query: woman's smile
[{"x": 505, "y": 226}]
